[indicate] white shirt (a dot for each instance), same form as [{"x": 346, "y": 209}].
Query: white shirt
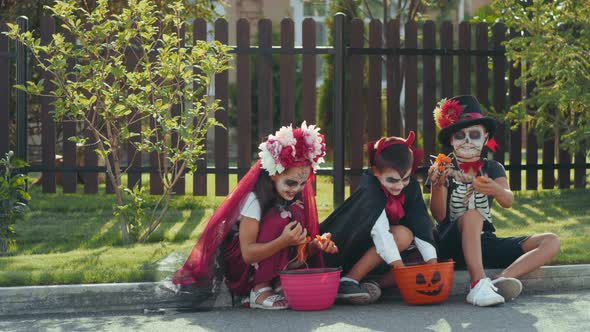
[
  {"x": 386, "y": 246},
  {"x": 251, "y": 208}
]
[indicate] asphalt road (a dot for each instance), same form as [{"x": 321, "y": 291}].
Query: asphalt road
[{"x": 543, "y": 312}]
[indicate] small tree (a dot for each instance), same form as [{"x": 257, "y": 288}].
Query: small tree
[
  {"x": 94, "y": 86},
  {"x": 552, "y": 46}
]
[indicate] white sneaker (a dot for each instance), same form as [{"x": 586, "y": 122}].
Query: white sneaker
[
  {"x": 484, "y": 294},
  {"x": 508, "y": 287}
]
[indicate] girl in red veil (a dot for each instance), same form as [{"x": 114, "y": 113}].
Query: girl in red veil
[{"x": 272, "y": 210}]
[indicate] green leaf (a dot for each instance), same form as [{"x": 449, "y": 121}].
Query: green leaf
[
  {"x": 101, "y": 153},
  {"x": 78, "y": 140}
]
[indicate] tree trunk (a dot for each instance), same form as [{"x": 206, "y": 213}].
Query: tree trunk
[
  {"x": 155, "y": 223},
  {"x": 114, "y": 175},
  {"x": 116, "y": 184}
]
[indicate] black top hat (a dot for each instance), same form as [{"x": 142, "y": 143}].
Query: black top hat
[{"x": 470, "y": 116}]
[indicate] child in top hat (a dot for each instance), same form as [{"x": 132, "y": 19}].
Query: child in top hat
[
  {"x": 380, "y": 220},
  {"x": 461, "y": 199}
]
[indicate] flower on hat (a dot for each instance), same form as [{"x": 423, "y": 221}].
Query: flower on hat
[
  {"x": 290, "y": 147},
  {"x": 447, "y": 112}
]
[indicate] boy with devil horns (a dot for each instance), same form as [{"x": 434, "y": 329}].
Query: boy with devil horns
[{"x": 380, "y": 220}]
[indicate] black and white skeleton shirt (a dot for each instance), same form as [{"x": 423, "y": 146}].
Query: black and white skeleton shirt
[{"x": 461, "y": 196}]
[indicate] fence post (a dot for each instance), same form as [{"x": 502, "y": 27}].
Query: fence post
[
  {"x": 464, "y": 60},
  {"x": 394, "y": 80},
  {"x": 287, "y": 73},
  {"x": 69, "y": 180},
  {"x": 180, "y": 187},
  {"x": 563, "y": 172},
  {"x": 338, "y": 104},
  {"x": 482, "y": 84},
  {"x": 134, "y": 157},
  {"x": 200, "y": 176},
  {"x": 221, "y": 134},
  {"x": 5, "y": 64},
  {"x": 580, "y": 170},
  {"x": 411, "y": 81},
  {"x": 47, "y": 124},
  {"x": 357, "y": 107},
  {"x": 532, "y": 153},
  {"x": 548, "y": 174},
  {"x": 446, "y": 62},
  {"x": 499, "y": 93},
  {"x": 429, "y": 90},
  {"x": 309, "y": 72},
  {"x": 515, "y": 96},
  {"x": 264, "y": 67},
  {"x": 21, "y": 96},
  {"x": 374, "y": 102},
  {"x": 244, "y": 99}
]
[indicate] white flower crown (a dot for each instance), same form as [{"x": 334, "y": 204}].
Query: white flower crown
[{"x": 290, "y": 147}]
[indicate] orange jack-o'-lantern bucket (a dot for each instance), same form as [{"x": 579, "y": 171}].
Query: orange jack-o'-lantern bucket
[{"x": 425, "y": 283}]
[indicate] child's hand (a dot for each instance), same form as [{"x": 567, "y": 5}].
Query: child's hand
[
  {"x": 293, "y": 234},
  {"x": 398, "y": 263},
  {"x": 436, "y": 176},
  {"x": 324, "y": 243},
  {"x": 299, "y": 204},
  {"x": 486, "y": 186}
]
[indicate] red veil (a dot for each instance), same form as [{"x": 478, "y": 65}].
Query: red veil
[{"x": 199, "y": 268}]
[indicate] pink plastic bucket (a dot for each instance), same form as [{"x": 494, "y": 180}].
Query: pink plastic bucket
[{"x": 310, "y": 289}]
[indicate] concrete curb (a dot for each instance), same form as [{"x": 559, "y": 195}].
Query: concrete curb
[{"x": 33, "y": 300}]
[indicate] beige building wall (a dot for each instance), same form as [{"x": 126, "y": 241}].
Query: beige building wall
[
  {"x": 253, "y": 10},
  {"x": 471, "y": 6},
  {"x": 476, "y": 4}
]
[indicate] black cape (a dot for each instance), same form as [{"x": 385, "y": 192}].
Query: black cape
[{"x": 352, "y": 222}]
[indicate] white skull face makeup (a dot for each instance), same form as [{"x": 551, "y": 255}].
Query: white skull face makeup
[
  {"x": 291, "y": 181},
  {"x": 392, "y": 180},
  {"x": 468, "y": 142}
]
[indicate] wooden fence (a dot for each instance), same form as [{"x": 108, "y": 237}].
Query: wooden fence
[{"x": 463, "y": 61}]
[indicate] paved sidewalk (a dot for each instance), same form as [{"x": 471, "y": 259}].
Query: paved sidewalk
[
  {"x": 148, "y": 296},
  {"x": 561, "y": 312}
]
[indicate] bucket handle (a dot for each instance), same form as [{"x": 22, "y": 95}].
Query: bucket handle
[{"x": 293, "y": 260}]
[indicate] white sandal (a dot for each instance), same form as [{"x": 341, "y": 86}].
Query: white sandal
[{"x": 269, "y": 302}]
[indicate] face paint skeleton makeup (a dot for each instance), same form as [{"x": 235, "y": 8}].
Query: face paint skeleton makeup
[
  {"x": 392, "y": 180},
  {"x": 468, "y": 142},
  {"x": 289, "y": 183}
]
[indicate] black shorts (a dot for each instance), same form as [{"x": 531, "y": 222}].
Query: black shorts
[{"x": 496, "y": 252}]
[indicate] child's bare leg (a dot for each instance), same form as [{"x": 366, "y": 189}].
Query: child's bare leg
[
  {"x": 371, "y": 259},
  {"x": 366, "y": 264},
  {"x": 470, "y": 226},
  {"x": 539, "y": 249},
  {"x": 266, "y": 294}
]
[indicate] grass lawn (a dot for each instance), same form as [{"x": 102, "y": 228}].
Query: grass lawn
[{"x": 73, "y": 238}]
